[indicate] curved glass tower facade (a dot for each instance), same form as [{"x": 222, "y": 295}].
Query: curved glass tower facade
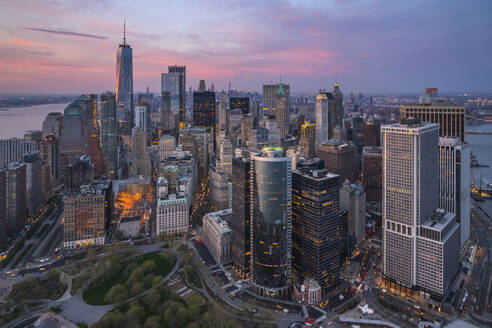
[{"x": 271, "y": 220}]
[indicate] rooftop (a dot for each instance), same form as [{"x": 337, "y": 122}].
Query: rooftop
[{"x": 438, "y": 220}]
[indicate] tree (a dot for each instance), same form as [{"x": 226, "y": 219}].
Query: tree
[
  {"x": 117, "y": 294},
  {"x": 137, "y": 288},
  {"x": 152, "y": 322},
  {"x": 148, "y": 266},
  {"x": 152, "y": 298},
  {"x": 54, "y": 274},
  {"x": 157, "y": 281},
  {"x": 136, "y": 311},
  {"x": 136, "y": 276}
]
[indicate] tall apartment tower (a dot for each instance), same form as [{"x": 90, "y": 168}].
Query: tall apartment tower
[
  {"x": 410, "y": 193},
  {"x": 124, "y": 81},
  {"x": 271, "y": 221},
  {"x": 454, "y": 182},
  {"x": 316, "y": 248},
  {"x": 15, "y": 200},
  {"x": 276, "y": 101},
  {"x": 451, "y": 119},
  {"x": 109, "y": 135},
  {"x": 181, "y": 72},
  {"x": 339, "y": 110},
  {"x": 325, "y": 118}
]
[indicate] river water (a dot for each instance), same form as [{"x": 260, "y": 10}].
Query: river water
[
  {"x": 481, "y": 147},
  {"x": 14, "y": 122}
]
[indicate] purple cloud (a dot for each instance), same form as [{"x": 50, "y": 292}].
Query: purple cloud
[{"x": 65, "y": 32}]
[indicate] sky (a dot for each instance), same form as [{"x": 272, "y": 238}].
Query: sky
[{"x": 374, "y": 46}]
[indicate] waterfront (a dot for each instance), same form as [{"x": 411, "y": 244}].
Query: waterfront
[
  {"x": 14, "y": 122},
  {"x": 481, "y": 146}
]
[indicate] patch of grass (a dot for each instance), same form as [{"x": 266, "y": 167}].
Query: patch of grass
[{"x": 96, "y": 295}]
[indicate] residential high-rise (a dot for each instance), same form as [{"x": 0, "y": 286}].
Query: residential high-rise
[
  {"x": 410, "y": 161},
  {"x": 454, "y": 182},
  {"x": 325, "y": 117},
  {"x": 451, "y": 118},
  {"x": 53, "y": 125},
  {"x": 372, "y": 173},
  {"x": 307, "y": 141},
  {"x": 181, "y": 71},
  {"x": 271, "y": 221},
  {"x": 240, "y": 221},
  {"x": 316, "y": 247},
  {"x": 15, "y": 200},
  {"x": 109, "y": 137},
  {"x": 276, "y": 102},
  {"x": 13, "y": 149},
  {"x": 239, "y": 102},
  {"x": 339, "y": 158},
  {"x": 34, "y": 136},
  {"x": 353, "y": 201},
  {"x": 33, "y": 183},
  {"x": 84, "y": 219},
  {"x": 124, "y": 83},
  {"x": 50, "y": 154}
]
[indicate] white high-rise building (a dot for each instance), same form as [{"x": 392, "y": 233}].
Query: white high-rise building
[
  {"x": 172, "y": 208},
  {"x": 141, "y": 117},
  {"x": 325, "y": 103},
  {"x": 410, "y": 193},
  {"x": 454, "y": 182},
  {"x": 353, "y": 200},
  {"x": 420, "y": 240}
]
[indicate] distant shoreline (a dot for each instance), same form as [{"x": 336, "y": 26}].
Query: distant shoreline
[{"x": 10, "y": 107}]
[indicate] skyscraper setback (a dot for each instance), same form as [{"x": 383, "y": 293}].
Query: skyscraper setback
[{"x": 124, "y": 84}]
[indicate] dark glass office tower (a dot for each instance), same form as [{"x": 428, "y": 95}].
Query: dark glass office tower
[
  {"x": 204, "y": 109},
  {"x": 239, "y": 103},
  {"x": 109, "y": 137},
  {"x": 271, "y": 216},
  {"x": 240, "y": 222},
  {"x": 124, "y": 85},
  {"x": 316, "y": 247},
  {"x": 181, "y": 71}
]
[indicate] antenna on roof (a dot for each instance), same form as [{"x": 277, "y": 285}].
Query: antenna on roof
[{"x": 124, "y": 31}]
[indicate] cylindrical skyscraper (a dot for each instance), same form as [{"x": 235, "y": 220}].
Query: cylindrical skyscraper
[{"x": 271, "y": 221}]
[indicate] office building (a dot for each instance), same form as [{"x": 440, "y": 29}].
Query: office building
[
  {"x": 247, "y": 124},
  {"x": 371, "y": 131},
  {"x": 13, "y": 149},
  {"x": 124, "y": 83},
  {"x": 258, "y": 138},
  {"x": 167, "y": 145},
  {"x": 139, "y": 155},
  {"x": 84, "y": 219},
  {"x": 241, "y": 103},
  {"x": 357, "y": 135},
  {"x": 33, "y": 183},
  {"x": 372, "y": 173},
  {"x": 325, "y": 117},
  {"x": 109, "y": 136},
  {"x": 130, "y": 226},
  {"x": 204, "y": 109},
  {"x": 51, "y": 156},
  {"x": 276, "y": 102},
  {"x": 271, "y": 221},
  {"x": 216, "y": 235},
  {"x": 53, "y": 125},
  {"x": 307, "y": 140},
  {"x": 438, "y": 250},
  {"x": 451, "y": 119},
  {"x": 15, "y": 199},
  {"x": 73, "y": 138},
  {"x": 353, "y": 201},
  {"x": 339, "y": 110},
  {"x": 454, "y": 182},
  {"x": 240, "y": 221},
  {"x": 225, "y": 155},
  {"x": 3, "y": 211},
  {"x": 219, "y": 186},
  {"x": 172, "y": 207},
  {"x": 181, "y": 73},
  {"x": 339, "y": 159},
  {"x": 141, "y": 120},
  {"x": 35, "y": 136},
  {"x": 222, "y": 112},
  {"x": 80, "y": 172},
  {"x": 410, "y": 194},
  {"x": 316, "y": 247}
]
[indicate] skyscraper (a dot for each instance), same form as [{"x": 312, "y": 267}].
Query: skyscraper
[
  {"x": 73, "y": 137},
  {"x": 141, "y": 117},
  {"x": 325, "y": 116},
  {"x": 339, "y": 110},
  {"x": 316, "y": 248},
  {"x": 451, "y": 119},
  {"x": 13, "y": 149},
  {"x": 139, "y": 156},
  {"x": 276, "y": 101},
  {"x": 339, "y": 159},
  {"x": 371, "y": 131},
  {"x": 239, "y": 102},
  {"x": 454, "y": 182},
  {"x": 271, "y": 221},
  {"x": 33, "y": 183},
  {"x": 372, "y": 173},
  {"x": 124, "y": 83},
  {"x": 3, "y": 212},
  {"x": 410, "y": 193},
  {"x": 353, "y": 201},
  {"x": 109, "y": 138},
  {"x": 15, "y": 200},
  {"x": 181, "y": 71},
  {"x": 50, "y": 153},
  {"x": 53, "y": 125},
  {"x": 307, "y": 141}
]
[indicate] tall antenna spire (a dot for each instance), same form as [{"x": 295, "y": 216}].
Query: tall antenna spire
[{"x": 124, "y": 31}]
